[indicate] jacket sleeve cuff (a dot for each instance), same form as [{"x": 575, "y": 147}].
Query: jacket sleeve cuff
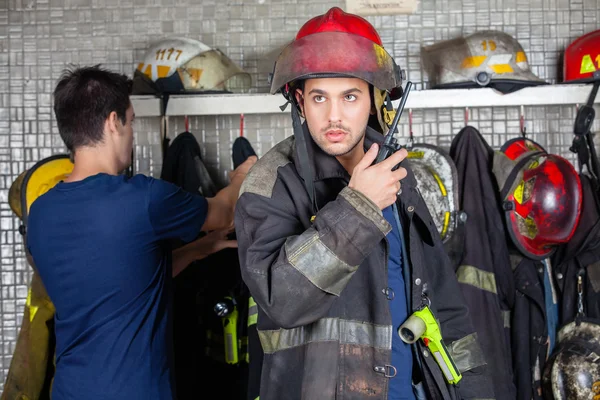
[{"x": 367, "y": 208}]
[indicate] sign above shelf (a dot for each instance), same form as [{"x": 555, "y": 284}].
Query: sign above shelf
[{"x": 264, "y": 103}]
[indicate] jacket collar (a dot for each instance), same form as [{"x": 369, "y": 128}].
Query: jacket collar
[{"x": 327, "y": 167}]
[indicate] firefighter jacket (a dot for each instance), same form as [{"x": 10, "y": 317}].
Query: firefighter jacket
[
  {"x": 529, "y": 331},
  {"x": 32, "y": 364},
  {"x": 580, "y": 258},
  {"x": 321, "y": 287},
  {"x": 484, "y": 269}
]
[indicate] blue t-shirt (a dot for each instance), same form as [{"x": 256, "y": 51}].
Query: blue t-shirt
[
  {"x": 400, "y": 387},
  {"x": 100, "y": 247}
]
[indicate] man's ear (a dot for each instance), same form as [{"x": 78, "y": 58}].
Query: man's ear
[
  {"x": 300, "y": 101},
  {"x": 112, "y": 123}
]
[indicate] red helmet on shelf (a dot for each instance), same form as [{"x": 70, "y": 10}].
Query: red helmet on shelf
[{"x": 581, "y": 62}]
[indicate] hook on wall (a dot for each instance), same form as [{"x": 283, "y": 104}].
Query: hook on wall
[
  {"x": 241, "y": 125},
  {"x": 522, "y": 122}
]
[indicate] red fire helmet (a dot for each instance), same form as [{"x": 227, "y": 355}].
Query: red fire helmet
[
  {"x": 336, "y": 44},
  {"x": 541, "y": 195},
  {"x": 581, "y": 62}
]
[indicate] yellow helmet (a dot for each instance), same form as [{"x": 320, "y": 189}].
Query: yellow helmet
[{"x": 36, "y": 181}]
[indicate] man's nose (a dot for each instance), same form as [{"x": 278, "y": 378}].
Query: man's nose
[{"x": 335, "y": 112}]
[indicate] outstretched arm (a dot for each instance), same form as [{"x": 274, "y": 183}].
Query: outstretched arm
[
  {"x": 211, "y": 243},
  {"x": 221, "y": 208}
]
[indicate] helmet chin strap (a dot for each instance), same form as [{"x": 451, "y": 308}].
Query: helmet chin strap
[
  {"x": 583, "y": 143},
  {"x": 305, "y": 167}
]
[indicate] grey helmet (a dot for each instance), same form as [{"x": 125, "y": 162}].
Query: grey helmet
[
  {"x": 437, "y": 180},
  {"x": 483, "y": 59}
]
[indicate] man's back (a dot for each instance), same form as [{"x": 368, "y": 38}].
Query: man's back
[{"x": 99, "y": 246}]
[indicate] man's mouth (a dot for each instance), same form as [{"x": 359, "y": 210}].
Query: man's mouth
[{"x": 335, "y": 135}]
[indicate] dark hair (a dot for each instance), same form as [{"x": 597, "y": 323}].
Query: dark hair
[{"x": 84, "y": 98}]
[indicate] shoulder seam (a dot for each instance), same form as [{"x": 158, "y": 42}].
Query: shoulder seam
[{"x": 263, "y": 175}]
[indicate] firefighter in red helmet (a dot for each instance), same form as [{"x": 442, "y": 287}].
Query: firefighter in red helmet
[{"x": 340, "y": 253}]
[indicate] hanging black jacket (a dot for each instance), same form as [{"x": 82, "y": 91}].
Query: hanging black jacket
[
  {"x": 197, "y": 331},
  {"x": 183, "y": 166},
  {"x": 484, "y": 270},
  {"x": 581, "y": 255},
  {"x": 529, "y": 331}
]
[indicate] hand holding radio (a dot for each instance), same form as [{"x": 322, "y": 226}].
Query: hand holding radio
[{"x": 379, "y": 182}]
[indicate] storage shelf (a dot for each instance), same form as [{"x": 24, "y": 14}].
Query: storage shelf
[
  {"x": 146, "y": 106},
  {"x": 264, "y": 103}
]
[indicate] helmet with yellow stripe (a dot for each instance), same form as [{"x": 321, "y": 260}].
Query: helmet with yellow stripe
[
  {"x": 180, "y": 65},
  {"x": 581, "y": 63},
  {"x": 437, "y": 178},
  {"x": 340, "y": 44},
  {"x": 483, "y": 59},
  {"x": 540, "y": 195}
]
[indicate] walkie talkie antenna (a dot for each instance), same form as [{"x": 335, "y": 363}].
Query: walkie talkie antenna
[
  {"x": 389, "y": 145},
  {"x": 400, "y": 108}
]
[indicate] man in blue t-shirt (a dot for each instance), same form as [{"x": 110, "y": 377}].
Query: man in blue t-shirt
[{"x": 100, "y": 243}]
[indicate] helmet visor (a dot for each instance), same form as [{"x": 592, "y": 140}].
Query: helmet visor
[{"x": 335, "y": 54}]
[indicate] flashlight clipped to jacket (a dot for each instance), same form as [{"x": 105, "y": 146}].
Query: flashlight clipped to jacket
[{"x": 423, "y": 325}]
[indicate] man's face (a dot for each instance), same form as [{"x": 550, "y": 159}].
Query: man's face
[{"x": 337, "y": 112}]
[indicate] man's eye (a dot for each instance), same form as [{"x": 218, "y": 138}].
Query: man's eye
[
  {"x": 319, "y": 99},
  {"x": 350, "y": 97}
]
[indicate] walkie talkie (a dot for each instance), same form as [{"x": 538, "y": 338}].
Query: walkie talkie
[{"x": 390, "y": 144}]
